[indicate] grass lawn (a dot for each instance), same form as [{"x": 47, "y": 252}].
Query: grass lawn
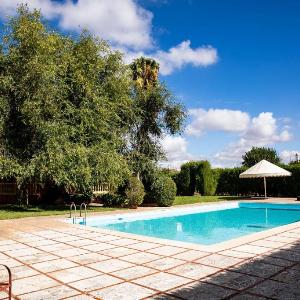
[
  {"x": 179, "y": 200},
  {"x": 15, "y": 211}
]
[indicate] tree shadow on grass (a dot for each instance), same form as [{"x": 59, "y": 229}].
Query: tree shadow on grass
[{"x": 274, "y": 275}]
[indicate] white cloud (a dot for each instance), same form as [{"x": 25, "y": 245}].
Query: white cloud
[
  {"x": 123, "y": 22},
  {"x": 262, "y": 131},
  {"x": 289, "y": 155},
  {"x": 126, "y": 24},
  {"x": 179, "y": 56},
  {"x": 176, "y": 151},
  {"x": 217, "y": 120}
]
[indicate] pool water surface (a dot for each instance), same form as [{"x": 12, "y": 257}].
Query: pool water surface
[{"x": 207, "y": 227}]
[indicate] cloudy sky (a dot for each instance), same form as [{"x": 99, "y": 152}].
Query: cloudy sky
[{"x": 234, "y": 64}]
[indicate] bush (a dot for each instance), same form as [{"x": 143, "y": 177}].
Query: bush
[
  {"x": 79, "y": 198},
  {"x": 163, "y": 191},
  {"x": 196, "y": 176},
  {"x": 112, "y": 200},
  {"x": 134, "y": 192}
]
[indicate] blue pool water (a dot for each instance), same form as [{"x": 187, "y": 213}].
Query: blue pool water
[{"x": 209, "y": 227}]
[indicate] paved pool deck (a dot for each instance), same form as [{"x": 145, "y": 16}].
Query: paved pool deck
[{"x": 51, "y": 259}]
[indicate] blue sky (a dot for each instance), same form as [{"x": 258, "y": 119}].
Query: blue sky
[{"x": 234, "y": 64}]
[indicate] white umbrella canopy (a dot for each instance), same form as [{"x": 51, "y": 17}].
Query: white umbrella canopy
[{"x": 265, "y": 169}]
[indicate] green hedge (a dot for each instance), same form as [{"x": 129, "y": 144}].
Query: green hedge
[
  {"x": 198, "y": 177},
  {"x": 229, "y": 183}
]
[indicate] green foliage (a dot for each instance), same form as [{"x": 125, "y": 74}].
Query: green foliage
[
  {"x": 163, "y": 190},
  {"x": 134, "y": 192},
  {"x": 65, "y": 107},
  {"x": 182, "y": 180},
  {"x": 196, "y": 177},
  {"x": 145, "y": 72},
  {"x": 114, "y": 200},
  {"x": 256, "y": 154},
  {"x": 155, "y": 114}
]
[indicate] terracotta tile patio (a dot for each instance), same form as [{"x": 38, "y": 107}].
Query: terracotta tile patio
[{"x": 51, "y": 259}]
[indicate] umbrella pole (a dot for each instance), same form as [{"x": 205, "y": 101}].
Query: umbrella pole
[{"x": 265, "y": 185}]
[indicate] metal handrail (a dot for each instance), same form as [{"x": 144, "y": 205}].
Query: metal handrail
[
  {"x": 8, "y": 284},
  {"x": 71, "y": 207},
  {"x": 84, "y": 206}
]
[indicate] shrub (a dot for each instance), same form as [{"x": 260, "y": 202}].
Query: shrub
[
  {"x": 134, "y": 192},
  {"x": 111, "y": 200},
  {"x": 163, "y": 190},
  {"x": 85, "y": 197},
  {"x": 196, "y": 176}
]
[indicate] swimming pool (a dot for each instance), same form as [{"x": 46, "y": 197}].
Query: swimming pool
[{"x": 208, "y": 224}]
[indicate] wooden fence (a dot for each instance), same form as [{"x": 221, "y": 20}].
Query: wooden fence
[{"x": 102, "y": 188}]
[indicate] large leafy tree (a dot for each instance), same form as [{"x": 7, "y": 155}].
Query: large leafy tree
[
  {"x": 156, "y": 113},
  {"x": 65, "y": 107},
  {"x": 256, "y": 154}
]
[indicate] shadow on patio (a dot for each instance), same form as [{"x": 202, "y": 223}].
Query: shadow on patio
[{"x": 274, "y": 275}]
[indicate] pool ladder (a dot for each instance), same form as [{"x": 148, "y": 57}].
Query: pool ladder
[{"x": 82, "y": 208}]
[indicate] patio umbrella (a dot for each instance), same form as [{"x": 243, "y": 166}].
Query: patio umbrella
[{"x": 265, "y": 169}]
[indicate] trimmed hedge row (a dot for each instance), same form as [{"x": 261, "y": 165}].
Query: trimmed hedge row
[
  {"x": 198, "y": 177},
  {"x": 229, "y": 183}
]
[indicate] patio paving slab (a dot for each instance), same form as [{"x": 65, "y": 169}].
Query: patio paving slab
[
  {"x": 247, "y": 296},
  {"x": 193, "y": 270},
  {"x": 36, "y": 258},
  {"x": 268, "y": 244},
  {"x": 166, "y": 250},
  {"x": 80, "y": 297},
  {"x": 18, "y": 272},
  {"x": 274, "y": 261},
  {"x": 251, "y": 249},
  {"x": 54, "y": 265},
  {"x": 55, "y": 293},
  {"x": 74, "y": 274},
  {"x": 257, "y": 268},
  {"x": 99, "y": 247},
  {"x": 123, "y": 242},
  {"x": 123, "y": 291},
  {"x": 143, "y": 246},
  {"x": 88, "y": 258},
  {"x": 32, "y": 284},
  {"x": 141, "y": 257},
  {"x": 286, "y": 254},
  {"x": 219, "y": 261},
  {"x": 200, "y": 290},
  {"x": 238, "y": 254},
  {"x": 134, "y": 272},
  {"x": 118, "y": 251},
  {"x": 162, "y": 281},
  {"x": 95, "y": 283},
  {"x": 233, "y": 280},
  {"x": 191, "y": 255},
  {"x": 164, "y": 263},
  {"x": 10, "y": 262},
  {"x": 277, "y": 290},
  {"x": 291, "y": 276},
  {"x": 111, "y": 265}
]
